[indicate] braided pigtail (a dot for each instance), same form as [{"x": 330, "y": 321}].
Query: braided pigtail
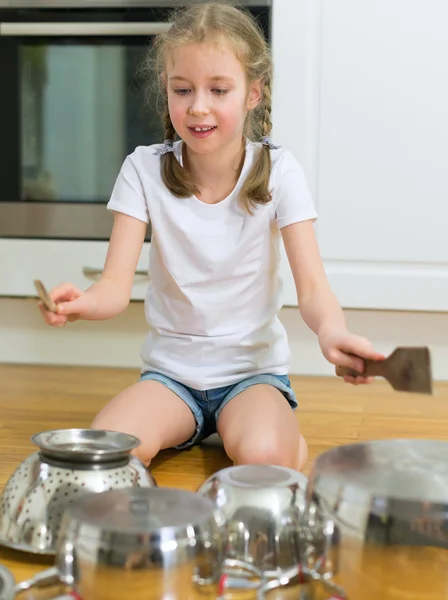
[
  {"x": 177, "y": 179},
  {"x": 256, "y": 187}
]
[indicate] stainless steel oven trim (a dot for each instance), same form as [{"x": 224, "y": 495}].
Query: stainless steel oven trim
[
  {"x": 110, "y": 3},
  {"x": 55, "y": 220},
  {"x": 81, "y": 29}
]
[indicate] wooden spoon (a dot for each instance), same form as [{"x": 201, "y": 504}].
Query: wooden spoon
[{"x": 43, "y": 295}]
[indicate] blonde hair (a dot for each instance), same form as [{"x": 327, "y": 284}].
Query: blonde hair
[{"x": 217, "y": 21}]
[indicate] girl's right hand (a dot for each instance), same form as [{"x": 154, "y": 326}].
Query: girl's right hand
[{"x": 72, "y": 304}]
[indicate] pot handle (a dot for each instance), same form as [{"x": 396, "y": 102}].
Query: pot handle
[
  {"x": 47, "y": 578},
  {"x": 243, "y": 579}
]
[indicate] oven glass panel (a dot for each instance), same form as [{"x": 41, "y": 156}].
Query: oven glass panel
[{"x": 82, "y": 110}]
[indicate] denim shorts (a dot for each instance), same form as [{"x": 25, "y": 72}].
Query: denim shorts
[{"x": 206, "y": 406}]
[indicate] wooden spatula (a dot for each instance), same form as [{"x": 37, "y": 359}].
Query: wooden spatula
[
  {"x": 43, "y": 295},
  {"x": 406, "y": 369}
]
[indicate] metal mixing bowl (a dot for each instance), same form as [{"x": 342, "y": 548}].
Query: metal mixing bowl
[{"x": 70, "y": 464}]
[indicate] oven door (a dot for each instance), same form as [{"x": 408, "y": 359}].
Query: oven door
[{"x": 72, "y": 107}]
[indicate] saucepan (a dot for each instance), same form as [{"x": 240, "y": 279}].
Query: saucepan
[
  {"x": 151, "y": 543},
  {"x": 70, "y": 463}
]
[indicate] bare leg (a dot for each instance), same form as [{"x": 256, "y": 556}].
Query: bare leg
[
  {"x": 258, "y": 426},
  {"x": 151, "y": 412}
]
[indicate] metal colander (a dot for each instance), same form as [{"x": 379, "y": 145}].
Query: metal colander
[{"x": 46, "y": 482}]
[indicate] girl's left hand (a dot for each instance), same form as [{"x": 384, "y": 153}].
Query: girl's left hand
[{"x": 338, "y": 347}]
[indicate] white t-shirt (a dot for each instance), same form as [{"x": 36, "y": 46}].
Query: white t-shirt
[{"x": 214, "y": 293}]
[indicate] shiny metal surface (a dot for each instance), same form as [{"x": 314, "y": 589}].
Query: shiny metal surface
[
  {"x": 46, "y": 483},
  {"x": 7, "y": 584},
  {"x": 387, "y": 503},
  {"x": 82, "y": 29},
  {"x": 55, "y": 220},
  {"x": 162, "y": 540},
  {"x": 85, "y": 445},
  {"x": 260, "y": 507},
  {"x": 111, "y": 3}
]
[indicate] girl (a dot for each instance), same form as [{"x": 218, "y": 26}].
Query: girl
[{"x": 216, "y": 356}]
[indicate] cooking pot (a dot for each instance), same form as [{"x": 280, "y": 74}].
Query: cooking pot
[
  {"x": 387, "y": 503},
  {"x": 70, "y": 464},
  {"x": 154, "y": 543},
  {"x": 261, "y": 510}
]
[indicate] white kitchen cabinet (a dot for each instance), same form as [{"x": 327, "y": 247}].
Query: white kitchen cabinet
[
  {"x": 55, "y": 262},
  {"x": 367, "y": 85}
]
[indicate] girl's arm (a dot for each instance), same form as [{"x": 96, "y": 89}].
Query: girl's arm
[
  {"x": 111, "y": 294},
  {"x": 318, "y": 305}
]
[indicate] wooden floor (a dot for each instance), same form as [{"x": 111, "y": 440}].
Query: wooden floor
[{"x": 34, "y": 398}]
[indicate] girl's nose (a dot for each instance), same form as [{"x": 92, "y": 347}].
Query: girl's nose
[{"x": 199, "y": 106}]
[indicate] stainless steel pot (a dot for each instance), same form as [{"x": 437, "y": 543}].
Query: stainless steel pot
[
  {"x": 265, "y": 545},
  {"x": 387, "y": 503},
  {"x": 260, "y": 508},
  {"x": 70, "y": 464},
  {"x": 158, "y": 544}
]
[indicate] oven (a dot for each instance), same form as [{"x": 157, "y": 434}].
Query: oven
[{"x": 72, "y": 106}]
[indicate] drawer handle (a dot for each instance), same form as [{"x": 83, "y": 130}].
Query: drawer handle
[{"x": 91, "y": 272}]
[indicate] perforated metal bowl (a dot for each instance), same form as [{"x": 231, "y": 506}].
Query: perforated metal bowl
[{"x": 70, "y": 464}]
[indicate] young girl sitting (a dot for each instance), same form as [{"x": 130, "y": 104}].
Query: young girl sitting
[{"x": 219, "y": 199}]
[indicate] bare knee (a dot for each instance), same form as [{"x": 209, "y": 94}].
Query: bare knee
[
  {"x": 267, "y": 450},
  {"x": 271, "y": 450}
]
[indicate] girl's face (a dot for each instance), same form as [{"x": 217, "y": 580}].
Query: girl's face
[{"x": 208, "y": 96}]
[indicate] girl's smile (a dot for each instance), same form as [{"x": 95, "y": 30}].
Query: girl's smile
[{"x": 201, "y": 131}]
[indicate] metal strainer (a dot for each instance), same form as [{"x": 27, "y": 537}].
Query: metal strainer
[{"x": 70, "y": 464}]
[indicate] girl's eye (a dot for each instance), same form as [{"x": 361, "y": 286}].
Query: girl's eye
[
  {"x": 181, "y": 91},
  {"x": 220, "y": 91}
]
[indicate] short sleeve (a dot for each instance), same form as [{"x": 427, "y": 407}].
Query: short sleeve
[
  {"x": 128, "y": 196},
  {"x": 291, "y": 194}
]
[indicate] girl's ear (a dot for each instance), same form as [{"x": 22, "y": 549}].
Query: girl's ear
[{"x": 254, "y": 95}]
